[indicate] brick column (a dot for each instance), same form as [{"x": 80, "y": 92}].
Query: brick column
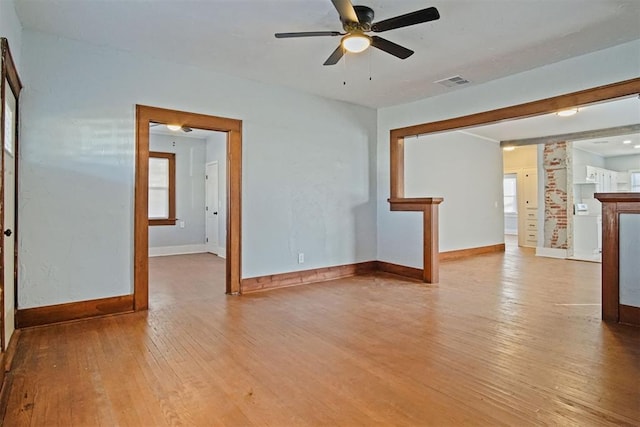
[{"x": 558, "y": 196}]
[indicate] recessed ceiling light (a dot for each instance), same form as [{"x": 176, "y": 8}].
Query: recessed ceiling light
[
  {"x": 173, "y": 127},
  {"x": 511, "y": 148},
  {"x": 636, "y": 146},
  {"x": 626, "y": 141},
  {"x": 568, "y": 112}
]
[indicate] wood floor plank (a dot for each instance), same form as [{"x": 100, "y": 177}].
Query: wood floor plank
[{"x": 503, "y": 339}]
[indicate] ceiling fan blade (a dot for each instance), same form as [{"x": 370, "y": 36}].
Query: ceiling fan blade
[
  {"x": 413, "y": 18},
  {"x": 390, "y": 47},
  {"x": 308, "y": 34},
  {"x": 346, "y": 10},
  {"x": 335, "y": 56}
]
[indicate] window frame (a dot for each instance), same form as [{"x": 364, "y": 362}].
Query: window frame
[
  {"x": 171, "y": 220},
  {"x": 514, "y": 177}
]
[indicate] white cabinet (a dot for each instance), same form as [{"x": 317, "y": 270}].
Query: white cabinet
[
  {"x": 530, "y": 188},
  {"x": 529, "y": 208},
  {"x": 622, "y": 181},
  {"x": 606, "y": 181}
]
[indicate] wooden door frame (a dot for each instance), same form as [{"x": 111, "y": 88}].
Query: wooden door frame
[
  {"x": 233, "y": 128},
  {"x": 9, "y": 74}
]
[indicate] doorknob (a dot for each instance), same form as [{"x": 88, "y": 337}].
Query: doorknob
[{"x": 7, "y": 232}]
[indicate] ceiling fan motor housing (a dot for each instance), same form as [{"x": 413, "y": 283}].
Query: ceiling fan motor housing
[{"x": 365, "y": 16}]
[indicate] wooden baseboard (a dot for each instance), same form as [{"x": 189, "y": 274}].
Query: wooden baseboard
[
  {"x": 294, "y": 278},
  {"x": 629, "y": 315},
  {"x": 38, "y": 316},
  {"x": 400, "y": 270},
  {"x": 462, "y": 253}
]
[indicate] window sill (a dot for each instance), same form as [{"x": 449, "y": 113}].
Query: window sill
[{"x": 166, "y": 221}]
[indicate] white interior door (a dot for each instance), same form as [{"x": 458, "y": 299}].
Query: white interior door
[
  {"x": 212, "y": 207},
  {"x": 9, "y": 213}
]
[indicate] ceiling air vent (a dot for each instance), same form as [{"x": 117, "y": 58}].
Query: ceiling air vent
[
  {"x": 600, "y": 142},
  {"x": 453, "y": 81}
]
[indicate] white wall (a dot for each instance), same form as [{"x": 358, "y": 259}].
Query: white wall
[
  {"x": 399, "y": 233},
  {"x": 190, "y": 194},
  {"x": 308, "y": 181},
  {"x": 524, "y": 157},
  {"x": 216, "y": 147},
  {"x": 622, "y": 163},
  {"x": 11, "y": 28},
  {"x": 473, "y": 206},
  {"x": 583, "y": 158}
]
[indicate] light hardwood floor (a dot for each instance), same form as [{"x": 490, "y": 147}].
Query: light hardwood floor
[{"x": 504, "y": 339}]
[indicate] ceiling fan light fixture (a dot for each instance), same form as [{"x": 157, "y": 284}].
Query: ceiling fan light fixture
[
  {"x": 356, "y": 43},
  {"x": 568, "y": 112},
  {"x": 174, "y": 127}
]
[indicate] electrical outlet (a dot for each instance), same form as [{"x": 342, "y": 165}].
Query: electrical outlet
[
  {"x": 300, "y": 258},
  {"x": 181, "y": 224}
]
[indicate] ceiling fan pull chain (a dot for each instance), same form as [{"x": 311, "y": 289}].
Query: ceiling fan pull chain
[{"x": 344, "y": 70}]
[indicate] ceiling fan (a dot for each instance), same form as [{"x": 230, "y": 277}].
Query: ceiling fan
[
  {"x": 358, "y": 20},
  {"x": 185, "y": 129}
]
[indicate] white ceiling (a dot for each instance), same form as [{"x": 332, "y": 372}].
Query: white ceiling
[
  {"x": 480, "y": 40},
  {"x": 611, "y": 146}
]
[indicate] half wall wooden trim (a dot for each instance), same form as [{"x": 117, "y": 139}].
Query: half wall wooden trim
[
  {"x": 463, "y": 253},
  {"x": 38, "y": 316},
  {"x": 430, "y": 240},
  {"x": 304, "y": 277},
  {"x": 613, "y": 204}
]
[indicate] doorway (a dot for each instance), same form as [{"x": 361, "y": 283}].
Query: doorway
[
  {"x": 510, "y": 194},
  {"x": 146, "y": 115},
  {"x": 10, "y": 90}
]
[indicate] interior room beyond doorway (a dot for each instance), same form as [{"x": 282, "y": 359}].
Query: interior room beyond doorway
[{"x": 187, "y": 207}]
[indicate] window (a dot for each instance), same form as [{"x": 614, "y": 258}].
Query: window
[
  {"x": 162, "y": 188},
  {"x": 510, "y": 191},
  {"x": 634, "y": 177}
]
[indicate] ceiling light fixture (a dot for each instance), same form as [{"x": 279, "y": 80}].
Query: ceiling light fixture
[
  {"x": 568, "y": 112},
  {"x": 636, "y": 146},
  {"x": 626, "y": 141},
  {"x": 174, "y": 127},
  {"x": 356, "y": 42},
  {"x": 509, "y": 148}
]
